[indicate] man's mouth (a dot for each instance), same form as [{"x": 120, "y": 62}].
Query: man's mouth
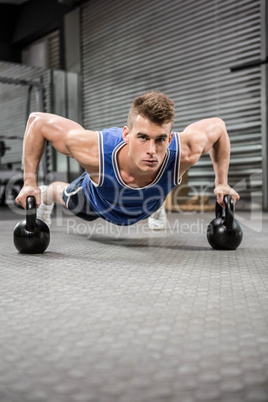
[{"x": 150, "y": 161}]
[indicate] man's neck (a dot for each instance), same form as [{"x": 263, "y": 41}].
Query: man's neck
[{"x": 130, "y": 174}]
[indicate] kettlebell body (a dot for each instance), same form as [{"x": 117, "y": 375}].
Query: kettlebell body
[
  {"x": 31, "y": 236},
  {"x": 224, "y": 232}
]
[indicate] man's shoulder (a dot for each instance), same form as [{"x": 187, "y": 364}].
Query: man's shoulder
[
  {"x": 113, "y": 131},
  {"x": 111, "y": 137},
  {"x": 175, "y": 142}
]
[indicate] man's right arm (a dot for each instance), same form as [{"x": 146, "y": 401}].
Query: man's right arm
[{"x": 66, "y": 136}]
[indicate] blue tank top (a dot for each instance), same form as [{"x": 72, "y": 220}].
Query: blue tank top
[{"x": 115, "y": 201}]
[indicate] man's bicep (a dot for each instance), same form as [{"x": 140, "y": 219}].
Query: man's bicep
[
  {"x": 206, "y": 132},
  {"x": 54, "y": 129},
  {"x": 192, "y": 147},
  {"x": 203, "y": 134},
  {"x": 69, "y": 137},
  {"x": 194, "y": 141}
]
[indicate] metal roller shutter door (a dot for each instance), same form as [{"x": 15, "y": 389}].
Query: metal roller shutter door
[{"x": 186, "y": 49}]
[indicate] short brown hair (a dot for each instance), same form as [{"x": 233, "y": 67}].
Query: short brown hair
[{"x": 155, "y": 106}]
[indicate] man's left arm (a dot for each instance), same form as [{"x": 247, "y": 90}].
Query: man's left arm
[
  {"x": 210, "y": 136},
  {"x": 220, "y": 156}
]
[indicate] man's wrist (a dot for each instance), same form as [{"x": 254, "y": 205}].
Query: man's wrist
[
  {"x": 221, "y": 182},
  {"x": 30, "y": 179}
]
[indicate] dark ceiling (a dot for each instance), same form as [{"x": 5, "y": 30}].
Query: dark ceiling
[{"x": 25, "y": 21}]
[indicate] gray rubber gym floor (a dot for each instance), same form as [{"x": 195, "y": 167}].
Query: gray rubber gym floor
[{"x": 111, "y": 314}]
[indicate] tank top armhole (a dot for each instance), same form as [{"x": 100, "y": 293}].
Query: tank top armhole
[
  {"x": 101, "y": 162},
  {"x": 177, "y": 179}
]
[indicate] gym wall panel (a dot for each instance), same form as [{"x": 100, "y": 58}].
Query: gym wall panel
[
  {"x": 61, "y": 96},
  {"x": 53, "y": 41},
  {"x": 186, "y": 49},
  {"x": 14, "y": 99}
]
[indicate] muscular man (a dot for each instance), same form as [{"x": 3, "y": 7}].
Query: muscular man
[{"x": 128, "y": 172}]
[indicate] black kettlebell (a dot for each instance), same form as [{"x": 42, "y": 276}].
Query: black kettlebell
[
  {"x": 224, "y": 232},
  {"x": 31, "y": 236}
]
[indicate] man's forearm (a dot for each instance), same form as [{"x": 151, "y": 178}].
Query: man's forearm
[
  {"x": 220, "y": 156},
  {"x": 33, "y": 149}
]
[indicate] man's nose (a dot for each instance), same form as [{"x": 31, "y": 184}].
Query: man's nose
[{"x": 151, "y": 147}]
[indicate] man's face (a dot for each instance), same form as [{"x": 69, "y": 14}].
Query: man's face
[{"x": 148, "y": 143}]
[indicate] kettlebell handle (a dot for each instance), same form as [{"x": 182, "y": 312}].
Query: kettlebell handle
[
  {"x": 229, "y": 211},
  {"x": 218, "y": 211},
  {"x": 30, "y": 213}
]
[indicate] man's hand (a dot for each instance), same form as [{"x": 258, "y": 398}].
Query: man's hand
[
  {"x": 223, "y": 189},
  {"x": 25, "y": 192}
]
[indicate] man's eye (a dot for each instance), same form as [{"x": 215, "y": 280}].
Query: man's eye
[{"x": 160, "y": 139}]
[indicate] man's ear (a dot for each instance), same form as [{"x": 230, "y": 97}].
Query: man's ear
[
  {"x": 170, "y": 138},
  {"x": 126, "y": 133}
]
